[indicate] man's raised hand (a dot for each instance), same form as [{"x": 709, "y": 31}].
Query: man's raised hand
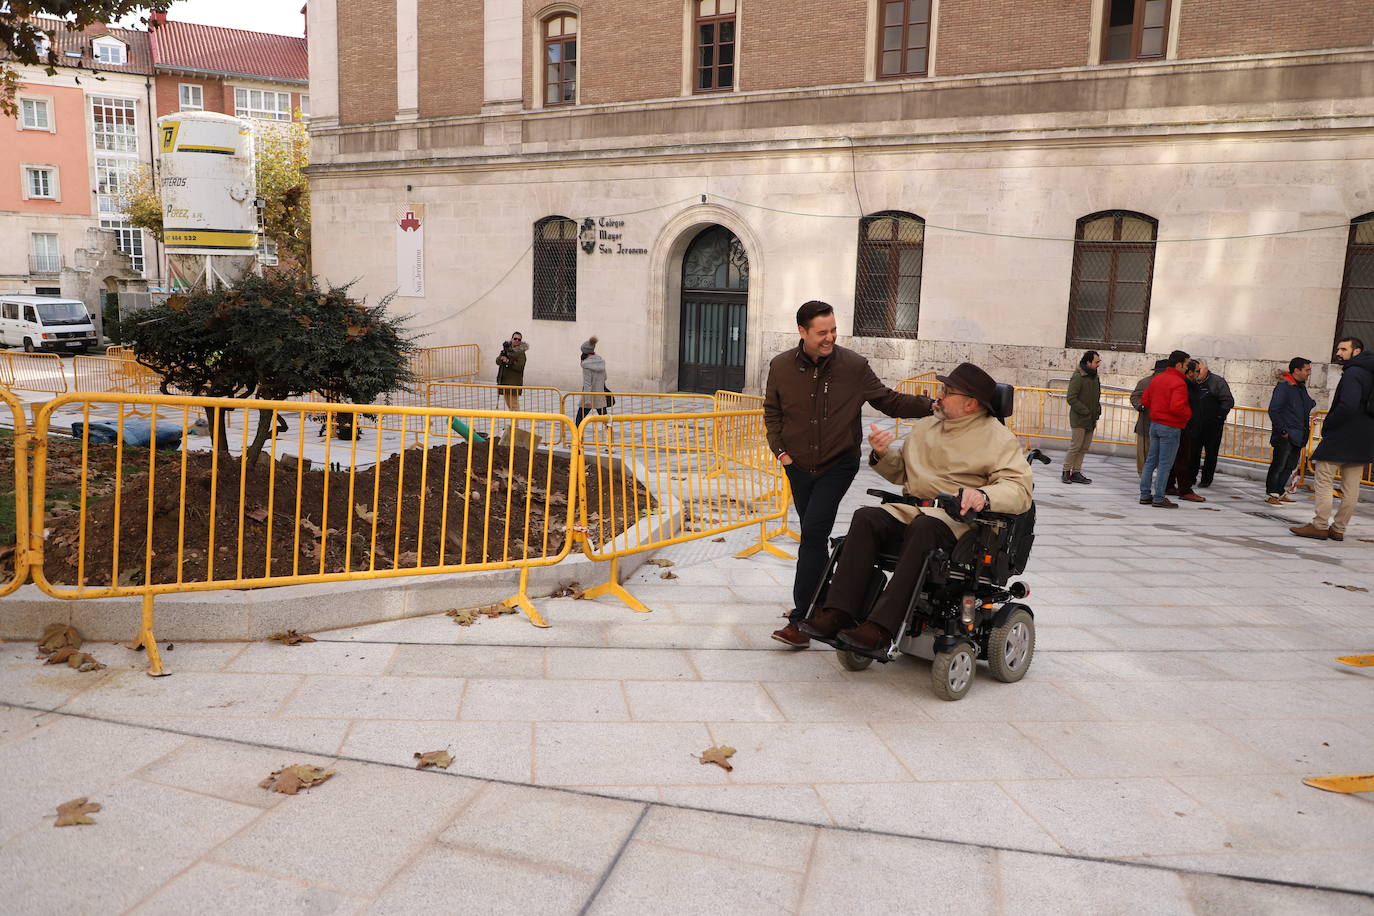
[{"x": 880, "y": 439}]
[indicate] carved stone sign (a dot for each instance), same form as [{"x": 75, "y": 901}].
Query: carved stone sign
[{"x": 605, "y": 235}]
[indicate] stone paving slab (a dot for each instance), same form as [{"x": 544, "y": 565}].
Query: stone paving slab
[{"x": 1151, "y": 761}]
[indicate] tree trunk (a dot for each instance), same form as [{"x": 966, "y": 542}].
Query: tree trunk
[{"x": 266, "y": 420}]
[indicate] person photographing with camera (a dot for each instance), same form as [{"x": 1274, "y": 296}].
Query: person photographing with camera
[{"x": 510, "y": 369}]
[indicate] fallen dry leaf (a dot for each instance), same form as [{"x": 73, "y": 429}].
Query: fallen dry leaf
[
  {"x": 667, "y": 575},
  {"x": 659, "y": 561},
  {"x": 290, "y": 780},
  {"x": 57, "y": 636},
  {"x": 1209, "y": 509},
  {"x": 719, "y": 755},
  {"x": 257, "y": 514},
  {"x": 463, "y": 618},
  {"x": 73, "y": 813},
  {"x": 495, "y": 610},
  {"x": 291, "y": 638},
  {"x": 571, "y": 590},
  {"x": 440, "y": 759},
  {"x": 363, "y": 513},
  {"x": 409, "y": 558},
  {"x": 310, "y": 526},
  {"x": 717, "y": 540},
  {"x": 1349, "y": 588}
]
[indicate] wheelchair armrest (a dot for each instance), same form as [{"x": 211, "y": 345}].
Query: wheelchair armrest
[{"x": 887, "y": 496}]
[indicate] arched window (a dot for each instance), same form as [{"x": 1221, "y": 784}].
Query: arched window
[
  {"x": 887, "y": 288},
  {"x": 1356, "y": 315},
  {"x": 715, "y": 45},
  {"x": 560, "y": 59},
  {"x": 555, "y": 269},
  {"x": 1109, "y": 293}
]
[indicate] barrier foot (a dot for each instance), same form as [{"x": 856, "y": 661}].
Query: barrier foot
[
  {"x": 148, "y": 642},
  {"x": 615, "y": 589},
  {"x": 762, "y": 544},
  {"x": 521, "y": 601},
  {"x": 1346, "y": 785},
  {"x": 1357, "y": 661}
]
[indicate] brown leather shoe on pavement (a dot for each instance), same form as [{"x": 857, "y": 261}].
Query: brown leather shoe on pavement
[
  {"x": 1193, "y": 498},
  {"x": 1165, "y": 504},
  {"x": 1335, "y": 535},
  {"x": 825, "y": 623},
  {"x": 867, "y": 636},
  {"x": 1273, "y": 501},
  {"x": 791, "y": 637},
  {"x": 1310, "y": 531}
]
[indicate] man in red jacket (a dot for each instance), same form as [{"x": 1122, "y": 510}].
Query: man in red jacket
[{"x": 1166, "y": 399}]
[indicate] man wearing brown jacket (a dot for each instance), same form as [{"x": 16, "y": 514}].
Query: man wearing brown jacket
[
  {"x": 1142, "y": 423},
  {"x": 811, "y": 408}
]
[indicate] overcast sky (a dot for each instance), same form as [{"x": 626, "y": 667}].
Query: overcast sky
[{"x": 280, "y": 16}]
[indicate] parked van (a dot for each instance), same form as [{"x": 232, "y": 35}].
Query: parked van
[{"x": 45, "y": 323}]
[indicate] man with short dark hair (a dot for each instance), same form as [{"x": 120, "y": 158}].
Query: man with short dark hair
[
  {"x": 964, "y": 450},
  {"x": 1214, "y": 406},
  {"x": 1290, "y": 410},
  {"x": 811, "y": 407},
  {"x": 1347, "y": 443},
  {"x": 1166, "y": 398}
]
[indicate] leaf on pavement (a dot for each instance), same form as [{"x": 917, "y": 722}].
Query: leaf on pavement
[
  {"x": 717, "y": 540},
  {"x": 291, "y": 638},
  {"x": 57, "y": 636},
  {"x": 290, "y": 780},
  {"x": 495, "y": 610},
  {"x": 719, "y": 755},
  {"x": 1349, "y": 588},
  {"x": 364, "y": 513},
  {"x": 571, "y": 590},
  {"x": 667, "y": 575},
  {"x": 440, "y": 759},
  {"x": 73, "y": 813},
  {"x": 659, "y": 561},
  {"x": 463, "y": 618}
]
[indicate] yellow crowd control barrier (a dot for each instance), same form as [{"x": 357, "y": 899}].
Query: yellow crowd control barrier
[
  {"x": 668, "y": 408},
  {"x": 14, "y": 495},
  {"x": 728, "y": 431},
  {"x": 926, "y": 383},
  {"x": 40, "y": 372},
  {"x": 208, "y": 515},
  {"x": 115, "y": 351},
  {"x": 101, "y": 374},
  {"x": 469, "y": 396},
  {"x": 1306, "y": 467},
  {"x": 643, "y": 492},
  {"x": 459, "y": 361}
]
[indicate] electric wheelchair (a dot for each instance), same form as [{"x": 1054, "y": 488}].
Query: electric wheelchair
[{"x": 965, "y": 606}]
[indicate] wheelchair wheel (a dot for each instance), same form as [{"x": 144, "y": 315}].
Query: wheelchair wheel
[
  {"x": 1011, "y": 647},
  {"x": 852, "y": 661},
  {"x": 951, "y": 674}
]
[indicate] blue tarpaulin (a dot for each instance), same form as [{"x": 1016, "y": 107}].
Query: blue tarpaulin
[{"x": 136, "y": 432}]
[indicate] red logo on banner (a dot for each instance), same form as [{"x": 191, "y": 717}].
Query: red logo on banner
[{"x": 410, "y": 223}]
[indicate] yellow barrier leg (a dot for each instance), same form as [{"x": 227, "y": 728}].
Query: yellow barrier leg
[
  {"x": 1357, "y": 661},
  {"x": 148, "y": 641},
  {"x": 521, "y": 601},
  {"x": 614, "y": 588},
  {"x": 1346, "y": 785}
]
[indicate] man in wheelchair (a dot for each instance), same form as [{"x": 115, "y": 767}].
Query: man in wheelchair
[{"x": 963, "y": 449}]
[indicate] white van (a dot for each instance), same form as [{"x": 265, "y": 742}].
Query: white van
[{"x": 45, "y": 323}]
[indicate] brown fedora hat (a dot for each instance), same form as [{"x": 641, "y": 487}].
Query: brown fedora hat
[{"x": 972, "y": 381}]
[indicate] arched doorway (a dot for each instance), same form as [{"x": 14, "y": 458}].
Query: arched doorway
[{"x": 715, "y": 293}]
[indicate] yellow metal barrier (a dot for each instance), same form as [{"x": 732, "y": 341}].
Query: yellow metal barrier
[
  {"x": 41, "y": 372},
  {"x": 432, "y": 364},
  {"x": 100, "y": 374},
  {"x": 668, "y": 408},
  {"x": 726, "y": 431},
  {"x": 14, "y": 504},
  {"x": 925, "y": 384},
  {"x": 468, "y": 396},
  {"x": 206, "y": 515},
  {"x": 1306, "y": 465},
  {"x": 643, "y": 492},
  {"x": 115, "y": 351}
]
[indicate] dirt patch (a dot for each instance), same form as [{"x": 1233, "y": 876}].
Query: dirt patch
[{"x": 465, "y": 505}]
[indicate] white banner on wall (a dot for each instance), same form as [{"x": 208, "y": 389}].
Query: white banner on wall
[{"x": 410, "y": 250}]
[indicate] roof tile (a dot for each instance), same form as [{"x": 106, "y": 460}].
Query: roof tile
[{"x": 188, "y": 46}]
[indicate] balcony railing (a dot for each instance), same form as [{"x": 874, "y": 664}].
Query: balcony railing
[{"x": 45, "y": 263}]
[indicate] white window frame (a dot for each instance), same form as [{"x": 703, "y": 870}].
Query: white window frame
[
  {"x": 252, "y": 103},
  {"x": 267, "y": 253},
  {"x": 304, "y": 105},
  {"x": 29, "y": 169},
  {"x": 183, "y": 97},
  {"x": 37, "y": 102},
  {"x": 118, "y": 52},
  {"x": 113, "y": 175},
  {"x": 114, "y": 137},
  {"x": 128, "y": 239},
  {"x": 55, "y": 253}
]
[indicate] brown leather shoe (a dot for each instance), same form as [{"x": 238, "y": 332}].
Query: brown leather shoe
[
  {"x": 1164, "y": 504},
  {"x": 791, "y": 637},
  {"x": 1310, "y": 531},
  {"x": 1273, "y": 500},
  {"x": 1335, "y": 535},
  {"x": 825, "y": 623},
  {"x": 1193, "y": 498},
  {"x": 867, "y": 636}
]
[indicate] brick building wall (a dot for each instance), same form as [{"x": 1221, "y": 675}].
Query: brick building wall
[
  {"x": 367, "y": 62},
  {"x": 795, "y": 43},
  {"x": 450, "y": 56},
  {"x": 1212, "y": 28},
  {"x": 997, "y": 35},
  {"x": 626, "y": 52}
]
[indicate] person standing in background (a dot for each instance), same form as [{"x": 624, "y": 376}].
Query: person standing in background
[
  {"x": 1290, "y": 423},
  {"x": 1142, "y": 422},
  {"x": 1213, "y": 407},
  {"x": 1085, "y": 407},
  {"x": 510, "y": 369},
  {"x": 593, "y": 380}
]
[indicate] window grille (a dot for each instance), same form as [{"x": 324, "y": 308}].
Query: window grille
[
  {"x": 1113, "y": 271},
  {"x": 887, "y": 289},
  {"x": 555, "y": 269},
  {"x": 1355, "y": 317}
]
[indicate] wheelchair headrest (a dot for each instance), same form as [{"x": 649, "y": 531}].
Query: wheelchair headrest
[{"x": 1003, "y": 401}]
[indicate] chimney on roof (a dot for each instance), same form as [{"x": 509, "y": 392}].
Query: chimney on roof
[
  {"x": 304, "y": 7},
  {"x": 156, "y": 19}
]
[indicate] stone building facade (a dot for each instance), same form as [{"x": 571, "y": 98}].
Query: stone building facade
[{"x": 1009, "y": 181}]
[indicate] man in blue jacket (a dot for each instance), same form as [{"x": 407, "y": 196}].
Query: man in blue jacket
[
  {"x": 1347, "y": 443},
  {"x": 1290, "y": 406}
]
